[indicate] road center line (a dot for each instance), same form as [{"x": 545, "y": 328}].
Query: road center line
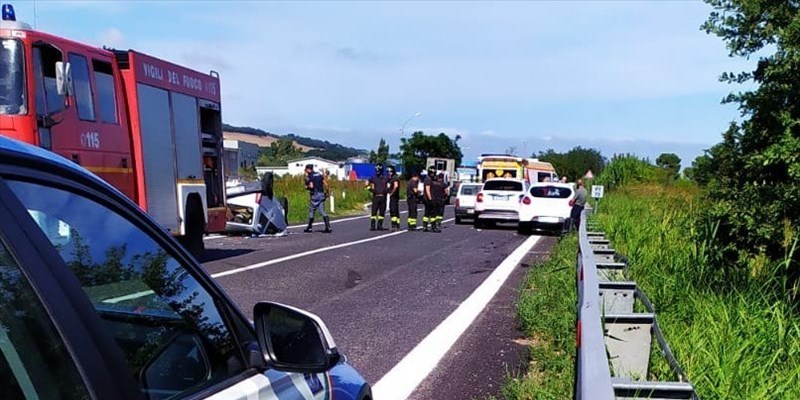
[
  {"x": 308, "y": 253},
  {"x": 403, "y": 378}
]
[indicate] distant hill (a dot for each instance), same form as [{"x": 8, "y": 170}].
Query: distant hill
[{"x": 312, "y": 147}]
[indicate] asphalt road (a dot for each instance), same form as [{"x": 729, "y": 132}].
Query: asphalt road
[{"x": 382, "y": 293}]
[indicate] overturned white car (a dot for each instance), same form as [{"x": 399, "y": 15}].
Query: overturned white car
[{"x": 255, "y": 209}]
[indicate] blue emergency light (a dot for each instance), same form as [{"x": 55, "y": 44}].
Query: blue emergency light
[{"x": 8, "y": 13}]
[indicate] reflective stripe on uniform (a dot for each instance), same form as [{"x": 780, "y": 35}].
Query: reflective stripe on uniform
[{"x": 412, "y": 221}]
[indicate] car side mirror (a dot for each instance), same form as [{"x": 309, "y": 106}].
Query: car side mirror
[
  {"x": 293, "y": 340},
  {"x": 267, "y": 185},
  {"x": 63, "y": 78}
]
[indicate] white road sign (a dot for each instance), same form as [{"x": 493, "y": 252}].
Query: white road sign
[{"x": 597, "y": 191}]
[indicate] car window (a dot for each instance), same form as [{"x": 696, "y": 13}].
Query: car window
[
  {"x": 34, "y": 363},
  {"x": 509, "y": 186},
  {"x": 555, "y": 192},
  {"x": 470, "y": 190},
  {"x": 167, "y": 325}
]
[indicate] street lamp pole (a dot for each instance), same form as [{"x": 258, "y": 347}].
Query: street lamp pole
[{"x": 403, "y": 126}]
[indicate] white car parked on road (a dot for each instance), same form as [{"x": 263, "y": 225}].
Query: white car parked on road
[
  {"x": 499, "y": 201},
  {"x": 465, "y": 200},
  {"x": 546, "y": 207}
]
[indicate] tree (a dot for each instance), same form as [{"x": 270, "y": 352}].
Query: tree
[
  {"x": 382, "y": 155},
  {"x": 278, "y": 153},
  {"x": 671, "y": 164},
  {"x": 753, "y": 176},
  {"x": 574, "y": 163},
  {"x": 415, "y": 150}
]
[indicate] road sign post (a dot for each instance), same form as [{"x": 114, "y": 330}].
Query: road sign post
[{"x": 597, "y": 194}]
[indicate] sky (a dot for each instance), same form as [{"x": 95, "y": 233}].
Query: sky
[{"x": 618, "y": 76}]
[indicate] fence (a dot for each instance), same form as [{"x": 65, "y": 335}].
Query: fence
[{"x": 614, "y": 343}]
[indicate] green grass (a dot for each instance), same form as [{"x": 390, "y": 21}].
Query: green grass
[
  {"x": 546, "y": 311},
  {"x": 350, "y": 197},
  {"x": 734, "y": 339}
]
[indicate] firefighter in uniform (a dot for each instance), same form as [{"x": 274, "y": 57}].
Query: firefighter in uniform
[
  {"x": 394, "y": 197},
  {"x": 430, "y": 207},
  {"x": 439, "y": 193},
  {"x": 379, "y": 186},
  {"x": 317, "y": 189},
  {"x": 412, "y": 198}
]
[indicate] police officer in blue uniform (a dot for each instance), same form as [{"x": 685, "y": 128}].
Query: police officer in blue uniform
[
  {"x": 379, "y": 186},
  {"x": 315, "y": 184}
]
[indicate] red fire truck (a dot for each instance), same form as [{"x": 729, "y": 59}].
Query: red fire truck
[{"x": 151, "y": 128}]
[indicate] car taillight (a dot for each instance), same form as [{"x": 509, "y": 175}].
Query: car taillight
[
  {"x": 258, "y": 198},
  {"x": 526, "y": 200},
  {"x": 479, "y": 199}
]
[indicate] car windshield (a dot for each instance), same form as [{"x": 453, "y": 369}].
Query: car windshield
[
  {"x": 470, "y": 190},
  {"x": 12, "y": 78},
  {"x": 508, "y": 186},
  {"x": 553, "y": 192}
]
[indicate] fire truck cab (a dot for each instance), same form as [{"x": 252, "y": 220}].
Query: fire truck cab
[{"x": 151, "y": 128}]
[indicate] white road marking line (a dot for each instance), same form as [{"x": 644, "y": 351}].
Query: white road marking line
[
  {"x": 403, "y": 378},
  {"x": 131, "y": 296},
  {"x": 308, "y": 253}
]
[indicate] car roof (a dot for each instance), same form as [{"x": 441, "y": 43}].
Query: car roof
[
  {"x": 14, "y": 152},
  {"x": 25, "y": 150},
  {"x": 557, "y": 184},
  {"x": 505, "y": 179}
]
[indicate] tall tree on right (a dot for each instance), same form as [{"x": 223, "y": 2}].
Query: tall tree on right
[{"x": 753, "y": 175}]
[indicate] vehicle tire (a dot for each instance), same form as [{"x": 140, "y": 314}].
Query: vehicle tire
[
  {"x": 195, "y": 228},
  {"x": 285, "y": 204},
  {"x": 525, "y": 228}
]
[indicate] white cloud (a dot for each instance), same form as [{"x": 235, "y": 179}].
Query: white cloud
[{"x": 112, "y": 37}]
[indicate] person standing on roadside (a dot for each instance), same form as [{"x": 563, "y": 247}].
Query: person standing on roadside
[
  {"x": 578, "y": 203},
  {"x": 379, "y": 187},
  {"x": 439, "y": 192},
  {"x": 430, "y": 206},
  {"x": 394, "y": 197},
  {"x": 413, "y": 196},
  {"x": 316, "y": 186}
]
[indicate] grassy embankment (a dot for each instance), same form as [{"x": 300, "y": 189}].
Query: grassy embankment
[
  {"x": 735, "y": 341},
  {"x": 350, "y": 197}
]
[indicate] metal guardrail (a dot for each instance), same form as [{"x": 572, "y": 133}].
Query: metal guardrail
[{"x": 614, "y": 342}]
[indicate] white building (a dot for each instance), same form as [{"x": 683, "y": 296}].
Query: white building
[
  {"x": 298, "y": 166},
  {"x": 276, "y": 171}
]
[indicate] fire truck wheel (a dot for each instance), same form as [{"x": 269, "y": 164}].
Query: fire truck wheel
[
  {"x": 193, "y": 241},
  {"x": 285, "y": 204}
]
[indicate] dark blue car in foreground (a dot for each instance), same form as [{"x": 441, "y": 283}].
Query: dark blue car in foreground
[{"x": 98, "y": 302}]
